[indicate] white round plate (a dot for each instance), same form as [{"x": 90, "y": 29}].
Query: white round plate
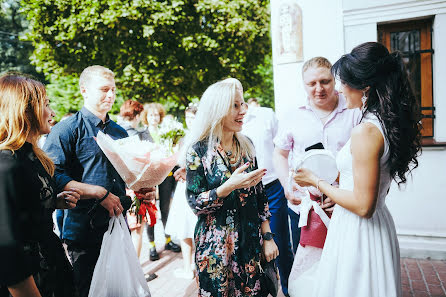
[{"x": 322, "y": 163}]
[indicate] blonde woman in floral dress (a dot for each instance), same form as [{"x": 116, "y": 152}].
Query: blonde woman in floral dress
[{"x": 224, "y": 189}]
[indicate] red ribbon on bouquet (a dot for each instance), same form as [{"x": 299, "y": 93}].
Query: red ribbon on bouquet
[
  {"x": 150, "y": 209},
  {"x": 142, "y": 208}
]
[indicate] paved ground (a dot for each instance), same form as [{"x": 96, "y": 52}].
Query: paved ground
[
  {"x": 423, "y": 278},
  {"x": 420, "y": 278}
]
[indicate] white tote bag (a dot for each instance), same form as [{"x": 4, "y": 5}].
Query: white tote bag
[{"x": 117, "y": 272}]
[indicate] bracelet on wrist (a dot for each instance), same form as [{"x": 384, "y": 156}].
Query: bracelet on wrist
[
  {"x": 103, "y": 198},
  {"x": 95, "y": 205},
  {"x": 268, "y": 236}
]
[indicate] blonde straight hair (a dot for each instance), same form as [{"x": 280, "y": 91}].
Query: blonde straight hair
[
  {"x": 22, "y": 102},
  {"x": 216, "y": 103}
]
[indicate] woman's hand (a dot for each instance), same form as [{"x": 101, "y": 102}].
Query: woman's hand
[
  {"x": 242, "y": 180},
  {"x": 180, "y": 174},
  {"x": 270, "y": 250},
  {"x": 304, "y": 177},
  {"x": 68, "y": 199}
]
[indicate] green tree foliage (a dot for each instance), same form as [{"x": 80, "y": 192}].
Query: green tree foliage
[
  {"x": 65, "y": 96},
  {"x": 14, "y": 52},
  {"x": 265, "y": 90},
  {"x": 159, "y": 50}
]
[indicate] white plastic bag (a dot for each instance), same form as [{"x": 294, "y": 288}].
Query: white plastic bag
[{"x": 117, "y": 272}]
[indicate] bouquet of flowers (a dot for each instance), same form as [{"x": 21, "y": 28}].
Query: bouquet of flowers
[
  {"x": 171, "y": 131},
  {"x": 141, "y": 164}
]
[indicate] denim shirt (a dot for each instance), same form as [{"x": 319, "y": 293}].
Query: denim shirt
[{"x": 72, "y": 146}]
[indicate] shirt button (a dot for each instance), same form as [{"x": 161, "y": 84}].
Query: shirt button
[{"x": 114, "y": 180}]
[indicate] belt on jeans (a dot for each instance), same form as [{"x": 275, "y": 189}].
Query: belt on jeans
[{"x": 269, "y": 185}]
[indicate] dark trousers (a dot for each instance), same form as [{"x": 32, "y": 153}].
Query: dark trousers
[
  {"x": 166, "y": 189},
  {"x": 83, "y": 260},
  {"x": 295, "y": 230},
  {"x": 280, "y": 227}
]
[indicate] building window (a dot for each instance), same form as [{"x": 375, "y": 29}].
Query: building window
[{"x": 414, "y": 40}]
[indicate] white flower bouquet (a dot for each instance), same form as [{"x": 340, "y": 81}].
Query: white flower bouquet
[
  {"x": 171, "y": 131},
  {"x": 141, "y": 164}
]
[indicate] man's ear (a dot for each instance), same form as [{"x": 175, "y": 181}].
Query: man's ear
[{"x": 83, "y": 91}]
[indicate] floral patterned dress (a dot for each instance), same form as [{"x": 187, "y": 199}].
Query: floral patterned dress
[{"x": 227, "y": 235}]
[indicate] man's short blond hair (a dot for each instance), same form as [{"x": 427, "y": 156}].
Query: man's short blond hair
[
  {"x": 90, "y": 71},
  {"x": 316, "y": 62}
]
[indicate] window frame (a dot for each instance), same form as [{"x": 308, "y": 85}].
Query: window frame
[{"x": 426, "y": 70}]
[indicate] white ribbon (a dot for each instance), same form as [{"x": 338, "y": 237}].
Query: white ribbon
[
  {"x": 305, "y": 207},
  {"x": 306, "y": 204}
]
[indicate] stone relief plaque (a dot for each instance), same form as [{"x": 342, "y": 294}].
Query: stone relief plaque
[{"x": 288, "y": 33}]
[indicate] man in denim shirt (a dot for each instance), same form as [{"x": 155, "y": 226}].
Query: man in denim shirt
[{"x": 81, "y": 164}]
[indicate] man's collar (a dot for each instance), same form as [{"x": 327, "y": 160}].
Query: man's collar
[
  {"x": 342, "y": 104},
  {"x": 93, "y": 118}
]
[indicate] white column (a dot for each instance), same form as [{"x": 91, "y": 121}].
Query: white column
[{"x": 439, "y": 75}]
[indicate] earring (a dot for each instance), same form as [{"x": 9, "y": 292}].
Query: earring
[{"x": 363, "y": 99}]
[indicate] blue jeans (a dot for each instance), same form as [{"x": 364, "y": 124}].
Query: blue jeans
[
  {"x": 279, "y": 226},
  {"x": 295, "y": 230}
]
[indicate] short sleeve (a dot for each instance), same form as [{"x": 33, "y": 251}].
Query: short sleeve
[{"x": 284, "y": 137}]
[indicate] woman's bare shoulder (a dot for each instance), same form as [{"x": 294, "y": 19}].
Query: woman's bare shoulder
[{"x": 367, "y": 137}]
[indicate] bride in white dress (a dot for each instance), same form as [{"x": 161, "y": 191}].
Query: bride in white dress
[{"x": 361, "y": 253}]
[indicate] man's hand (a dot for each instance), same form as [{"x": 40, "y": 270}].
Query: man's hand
[
  {"x": 328, "y": 205},
  {"x": 68, "y": 199},
  {"x": 146, "y": 194},
  {"x": 296, "y": 200},
  {"x": 112, "y": 204},
  {"x": 180, "y": 174}
]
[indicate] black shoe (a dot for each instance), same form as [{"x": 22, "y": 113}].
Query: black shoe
[
  {"x": 173, "y": 247},
  {"x": 150, "y": 277},
  {"x": 154, "y": 254}
]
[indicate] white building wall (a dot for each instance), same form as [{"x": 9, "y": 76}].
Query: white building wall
[
  {"x": 358, "y": 34},
  {"x": 419, "y": 209}
]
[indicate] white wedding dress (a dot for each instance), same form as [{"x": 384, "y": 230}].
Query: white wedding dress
[{"x": 361, "y": 256}]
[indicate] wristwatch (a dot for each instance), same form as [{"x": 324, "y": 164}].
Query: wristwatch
[{"x": 268, "y": 236}]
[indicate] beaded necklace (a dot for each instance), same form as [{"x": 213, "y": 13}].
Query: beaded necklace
[{"x": 234, "y": 159}]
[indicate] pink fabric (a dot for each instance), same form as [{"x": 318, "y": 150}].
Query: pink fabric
[
  {"x": 301, "y": 128},
  {"x": 315, "y": 232}
]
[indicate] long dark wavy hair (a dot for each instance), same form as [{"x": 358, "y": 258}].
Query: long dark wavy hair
[{"x": 390, "y": 98}]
